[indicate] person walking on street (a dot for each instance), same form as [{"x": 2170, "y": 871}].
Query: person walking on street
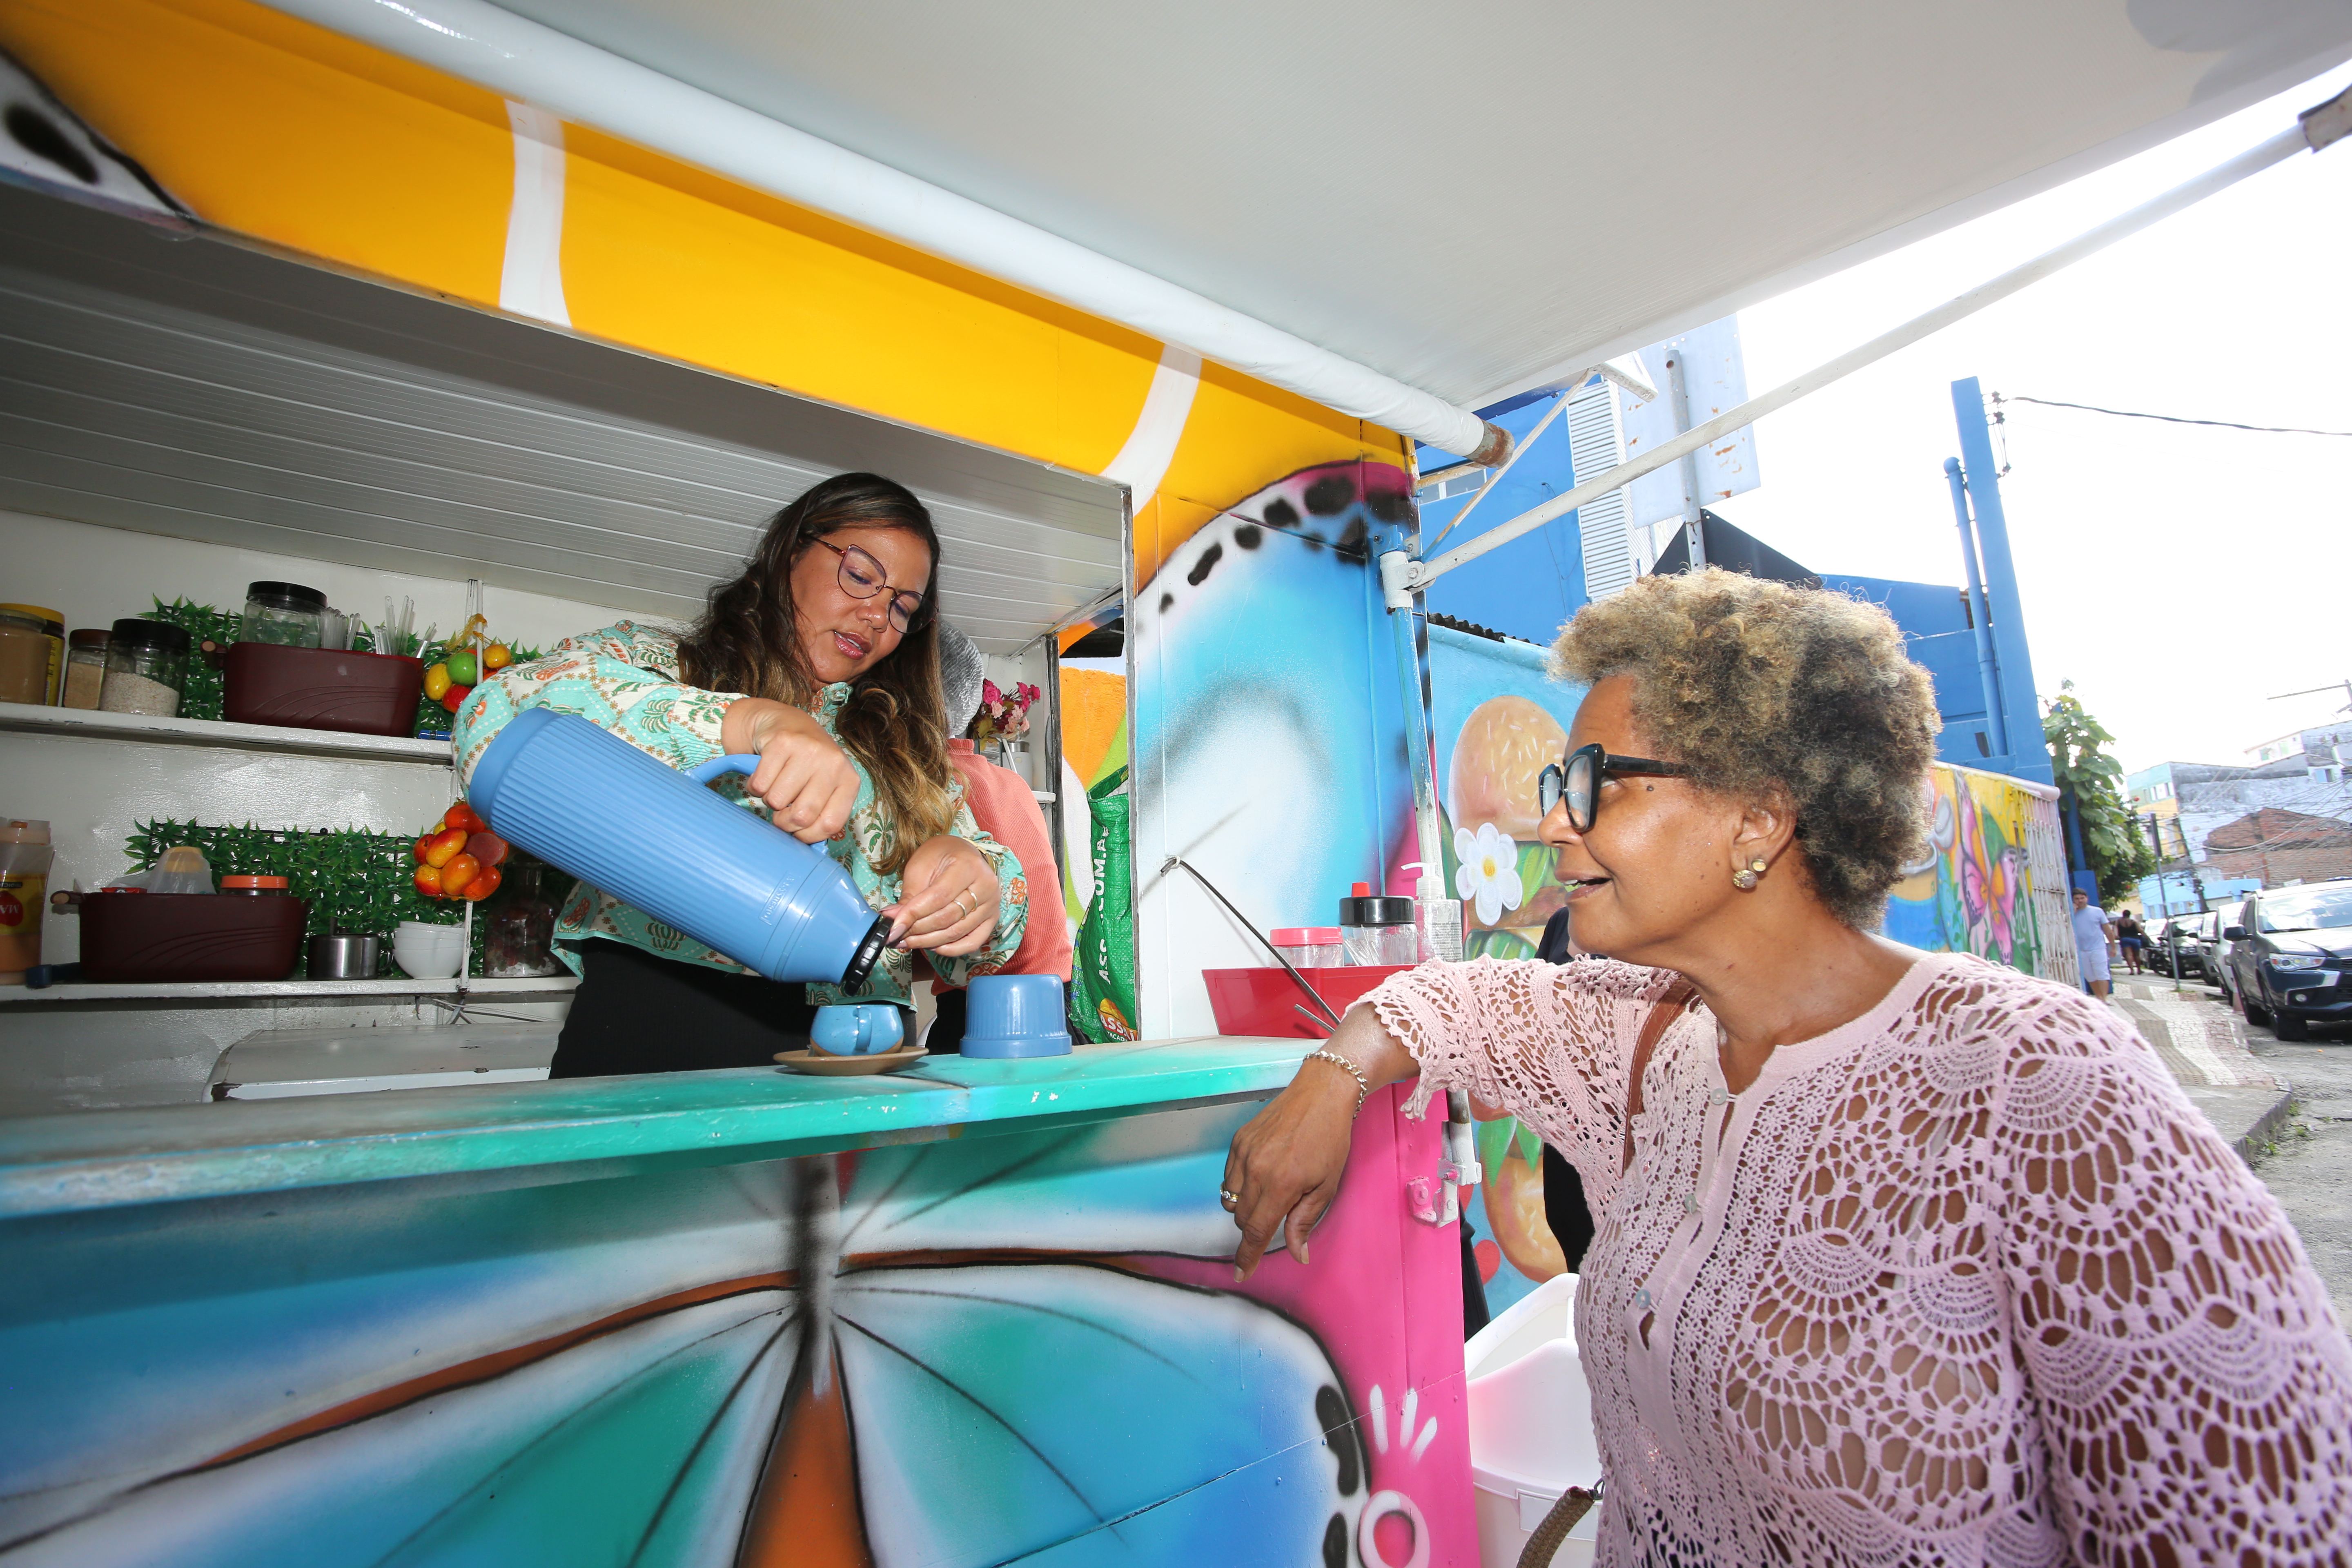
[
  {"x": 2092, "y": 932},
  {"x": 2132, "y": 938}
]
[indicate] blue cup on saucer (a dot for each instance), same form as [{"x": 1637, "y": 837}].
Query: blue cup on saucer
[
  {"x": 857, "y": 1030},
  {"x": 1016, "y": 1016}
]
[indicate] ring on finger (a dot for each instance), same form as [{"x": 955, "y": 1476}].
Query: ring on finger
[
  {"x": 1229, "y": 1199},
  {"x": 959, "y": 900}
]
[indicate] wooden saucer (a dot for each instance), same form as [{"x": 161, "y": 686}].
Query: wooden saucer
[{"x": 825, "y": 1064}]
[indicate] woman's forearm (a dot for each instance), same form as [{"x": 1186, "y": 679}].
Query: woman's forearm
[{"x": 1363, "y": 1040}]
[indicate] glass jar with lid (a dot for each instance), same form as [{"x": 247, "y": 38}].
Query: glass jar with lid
[
  {"x": 24, "y": 658},
  {"x": 85, "y": 667},
  {"x": 146, "y": 669},
  {"x": 53, "y": 633},
  {"x": 286, "y": 614}
]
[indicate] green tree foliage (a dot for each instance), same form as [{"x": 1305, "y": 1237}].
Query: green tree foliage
[{"x": 2091, "y": 781}]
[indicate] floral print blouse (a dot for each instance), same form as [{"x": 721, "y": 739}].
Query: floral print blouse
[{"x": 626, "y": 678}]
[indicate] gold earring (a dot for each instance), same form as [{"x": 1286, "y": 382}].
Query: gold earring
[{"x": 1746, "y": 878}]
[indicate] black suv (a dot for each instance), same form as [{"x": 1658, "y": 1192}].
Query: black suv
[{"x": 2291, "y": 957}]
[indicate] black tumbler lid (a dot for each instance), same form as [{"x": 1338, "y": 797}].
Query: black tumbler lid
[
  {"x": 132, "y": 631},
  {"x": 285, "y": 597},
  {"x": 1376, "y": 912},
  {"x": 869, "y": 953}
]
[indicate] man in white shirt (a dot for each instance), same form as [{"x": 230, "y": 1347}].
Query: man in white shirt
[{"x": 2092, "y": 932}]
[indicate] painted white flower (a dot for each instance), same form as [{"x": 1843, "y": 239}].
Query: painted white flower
[{"x": 1489, "y": 873}]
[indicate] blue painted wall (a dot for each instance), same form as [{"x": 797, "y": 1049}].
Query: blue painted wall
[{"x": 1526, "y": 589}]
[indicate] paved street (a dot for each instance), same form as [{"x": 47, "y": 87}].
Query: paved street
[{"x": 2306, "y": 1157}]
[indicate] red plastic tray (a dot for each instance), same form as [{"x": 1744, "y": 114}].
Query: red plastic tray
[
  {"x": 1266, "y": 1000},
  {"x": 148, "y": 938},
  {"x": 320, "y": 689}
]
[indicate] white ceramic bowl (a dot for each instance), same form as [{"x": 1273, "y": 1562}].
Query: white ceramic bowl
[{"x": 426, "y": 951}]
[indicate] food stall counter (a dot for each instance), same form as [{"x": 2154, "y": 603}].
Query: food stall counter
[{"x": 973, "y": 1312}]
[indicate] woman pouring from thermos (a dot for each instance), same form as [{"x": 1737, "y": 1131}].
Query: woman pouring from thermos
[{"x": 820, "y": 656}]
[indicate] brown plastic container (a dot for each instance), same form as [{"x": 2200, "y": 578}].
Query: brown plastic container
[
  {"x": 151, "y": 938},
  {"x": 322, "y": 688}
]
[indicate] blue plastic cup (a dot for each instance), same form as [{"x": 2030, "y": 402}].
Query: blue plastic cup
[
  {"x": 857, "y": 1030},
  {"x": 1016, "y": 1016}
]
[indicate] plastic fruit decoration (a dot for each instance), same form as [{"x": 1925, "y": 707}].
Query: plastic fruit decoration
[
  {"x": 461, "y": 668},
  {"x": 488, "y": 848},
  {"x": 486, "y": 882},
  {"x": 498, "y": 656},
  {"x": 428, "y": 880},
  {"x": 464, "y": 817},
  {"x": 436, "y": 681},
  {"x": 459, "y": 870},
  {"x": 424, "y": 848},
  {"x": 455, "y": 697},
  {"x": 444, "y": 846}
]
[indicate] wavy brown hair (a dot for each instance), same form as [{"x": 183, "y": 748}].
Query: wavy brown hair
[
  {"x": 893, "y": 721},
  {"x": 1767, "y": 690}
]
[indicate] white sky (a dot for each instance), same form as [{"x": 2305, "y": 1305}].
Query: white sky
[{"x": 2179, "y": 575}]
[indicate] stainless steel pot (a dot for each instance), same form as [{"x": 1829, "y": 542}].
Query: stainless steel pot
[{"x": 344, "y": 957}]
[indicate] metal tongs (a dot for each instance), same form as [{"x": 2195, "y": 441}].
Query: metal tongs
[{"x": 1312, "y": 995}]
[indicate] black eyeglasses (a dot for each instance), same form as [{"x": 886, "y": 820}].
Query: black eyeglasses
[
  {"x": 1577, "y": 778},
  {"x": 862, "y": 577}
]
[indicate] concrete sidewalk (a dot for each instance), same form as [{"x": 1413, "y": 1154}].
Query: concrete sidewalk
[{"x": 2205, "y": 1046}]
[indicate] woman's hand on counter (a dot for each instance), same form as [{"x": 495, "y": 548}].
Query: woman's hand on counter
[
  {"x": 804, "y": 777},
  {"x": 947, "y": 902},
  {"x": 1284, "y": 1165}
]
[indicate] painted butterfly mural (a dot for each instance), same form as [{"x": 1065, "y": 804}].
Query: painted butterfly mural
[
  {"x": 1001, "y": 1349},
  {"x": 1270, "y": 737}
]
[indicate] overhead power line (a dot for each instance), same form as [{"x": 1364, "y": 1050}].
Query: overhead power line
[{"x": 2171, "y": 418}]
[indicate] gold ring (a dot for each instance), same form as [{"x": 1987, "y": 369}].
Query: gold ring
[{"x": 1229, "y": 1199}]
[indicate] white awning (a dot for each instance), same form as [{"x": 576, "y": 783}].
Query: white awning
[{"x": 1479, "y": 198}]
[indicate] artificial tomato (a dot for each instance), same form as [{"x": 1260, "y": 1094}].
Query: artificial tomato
[
  {"x": 428, "y": 880},
  {"x": 444, "y": 846},
  {"x": 464, "y": 817},
  {"x": 457, "y": 872},
  {"x": 436, "y": 681},
  {"x": 461, "y": 668},
  {"x": 498, "y": 656},
  {"x": 455, "y": 697},
  {"x": 484, "y": 884},
  {"x": 488, "y": 848}
]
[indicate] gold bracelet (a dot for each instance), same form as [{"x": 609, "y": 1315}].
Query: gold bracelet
[{"x": 1363, "y": 1084}]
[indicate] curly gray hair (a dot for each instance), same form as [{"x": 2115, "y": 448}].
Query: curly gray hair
[{"x": 1763, "y": 690}]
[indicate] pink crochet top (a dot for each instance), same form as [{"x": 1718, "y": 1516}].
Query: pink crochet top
[{"x": 1965, "y": 1280}]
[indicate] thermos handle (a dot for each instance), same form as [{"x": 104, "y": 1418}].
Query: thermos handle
[{"x": 744, "y": 763}]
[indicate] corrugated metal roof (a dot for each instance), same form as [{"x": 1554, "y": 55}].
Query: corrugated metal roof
[{"x": 192, "y": 387}]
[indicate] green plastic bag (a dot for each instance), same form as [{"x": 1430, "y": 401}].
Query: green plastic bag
[{"x": 1102, "y": 970}]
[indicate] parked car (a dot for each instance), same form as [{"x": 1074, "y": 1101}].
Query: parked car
[
  {"x": 2162, "y": 945},
  {"x": 2213, "y": 948},
  {"x": 2291, "y": 957}
]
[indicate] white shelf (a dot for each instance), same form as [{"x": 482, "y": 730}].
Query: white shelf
[
  {"x": 266, "y": 990},
  {"x": 89, "y": 723}
]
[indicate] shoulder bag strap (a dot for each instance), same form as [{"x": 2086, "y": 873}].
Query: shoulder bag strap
[{"x": 1662, "y": 1013}]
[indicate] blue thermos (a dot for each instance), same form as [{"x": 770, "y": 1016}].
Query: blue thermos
[{"x": 592, "y": 805}]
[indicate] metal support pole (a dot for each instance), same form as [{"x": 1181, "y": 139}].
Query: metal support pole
[
  {"x": 1694, "y": 516},
  {"x": 2013, "y": 660},
  {"x": 1398, "y": 599},
  {"x": 1988, "y": 664}
]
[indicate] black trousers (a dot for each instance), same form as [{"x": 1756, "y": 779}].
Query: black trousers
[{"x": 634, "y": 1013}]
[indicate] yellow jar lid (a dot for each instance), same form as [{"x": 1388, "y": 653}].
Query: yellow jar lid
[{"x": 56, "y": 618}]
